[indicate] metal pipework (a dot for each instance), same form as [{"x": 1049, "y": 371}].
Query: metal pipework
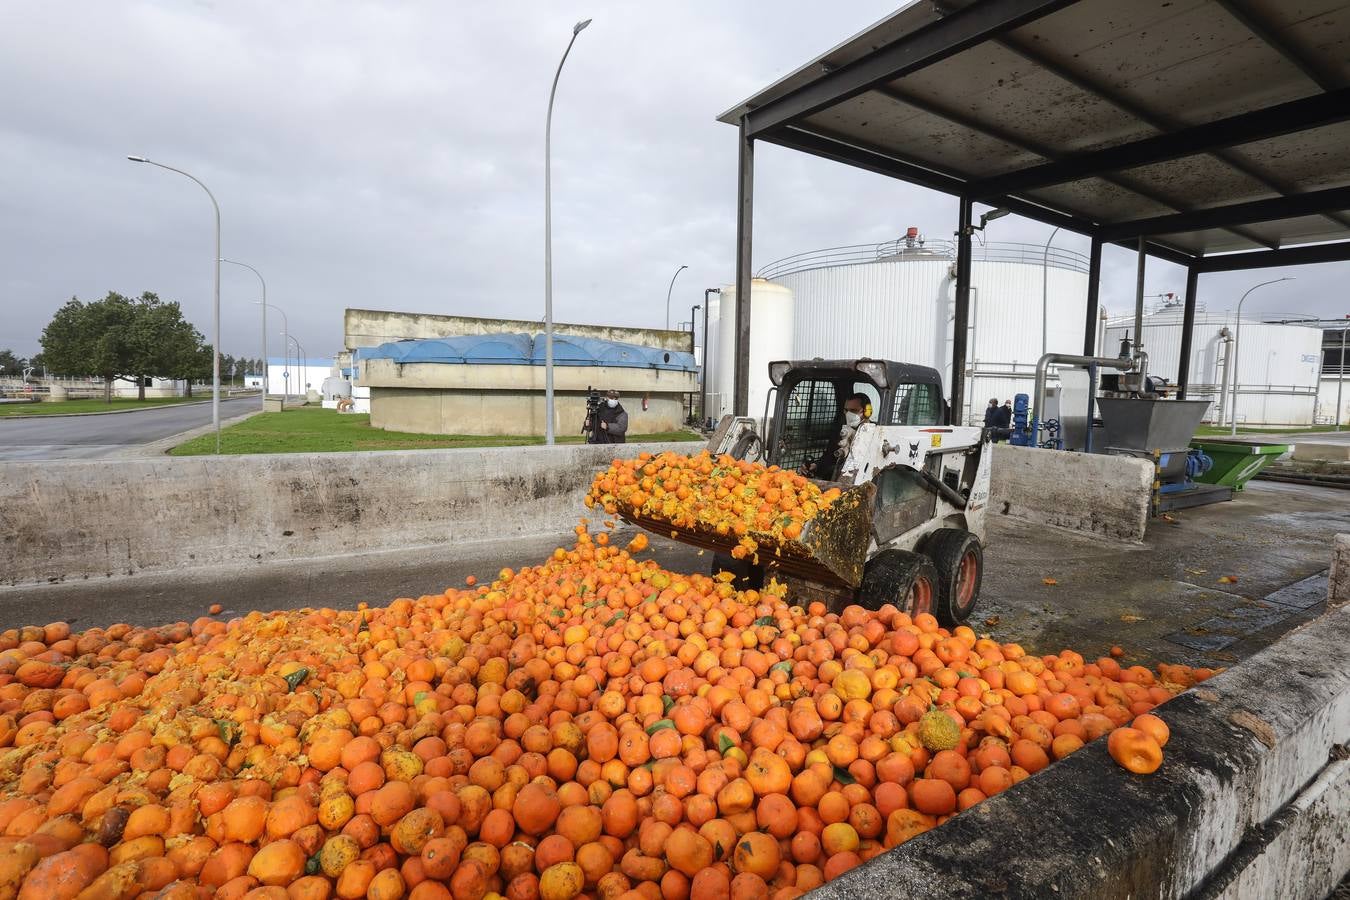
[{"x": 1049, "y": 359}]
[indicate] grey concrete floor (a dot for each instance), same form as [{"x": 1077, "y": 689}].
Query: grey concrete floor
[
  {"x": 90, "y": 437},
  {"x": 1161, "y": 600}
]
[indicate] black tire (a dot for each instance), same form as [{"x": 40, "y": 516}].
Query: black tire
[
  {"x": 748, "y": 575},
  {"x": 904, "y": 579},
  {"x": 959, "y": 560},
  {"x": 744, "y": 444}
]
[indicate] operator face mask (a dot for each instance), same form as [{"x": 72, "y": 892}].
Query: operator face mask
[
  {"x": 852, "y": 419},
  {"x": 611, "y": 403}
]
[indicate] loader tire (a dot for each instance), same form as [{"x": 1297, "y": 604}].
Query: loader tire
[
  {"x": 748, "y": 575},
  {"x": 903, "y": 579},
  {"x": 959, "y": 560}
]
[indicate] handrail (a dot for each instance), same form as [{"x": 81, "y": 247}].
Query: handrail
[{"x": 903, "y": 250}]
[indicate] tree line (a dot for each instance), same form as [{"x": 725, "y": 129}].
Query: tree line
[{"x": 131, "y": 339}]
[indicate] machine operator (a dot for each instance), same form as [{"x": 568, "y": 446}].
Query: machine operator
[{"x": 857, "y": 410}]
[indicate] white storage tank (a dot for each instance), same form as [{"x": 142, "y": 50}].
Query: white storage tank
[
  {"x": 771, "y": 338},
  {"x": 896, "y": 301},
  {"x": 712, "y": 339},
  {"x": 1278, "y": 365}
]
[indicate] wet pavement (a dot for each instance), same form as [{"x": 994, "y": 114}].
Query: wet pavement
[
  {"x": 1161, "y": 600},
  {"x": 28, "y": 438}
]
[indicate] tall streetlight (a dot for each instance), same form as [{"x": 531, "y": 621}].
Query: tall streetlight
[
  {"x": 285, "y": 350},
  {"x": 301, "y": 358},
  {"x": 1237, "y": 337},
  {"x": 264, "y": 322},
  {"x": 548, "y": 239},
  {"x": 668, "y": 290},
  {"x": 215, "y": 326},
  {"x": 1045, "y": 294}
]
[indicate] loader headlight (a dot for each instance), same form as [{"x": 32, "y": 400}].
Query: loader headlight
[
  {"x": 874, "y": 369},
  {"x": 777, "y": 370}
]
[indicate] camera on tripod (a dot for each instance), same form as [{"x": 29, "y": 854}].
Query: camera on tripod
[{"x": 592, "y": 423}]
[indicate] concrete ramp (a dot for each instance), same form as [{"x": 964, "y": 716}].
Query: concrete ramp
[{"x": 1092, "y": 493}]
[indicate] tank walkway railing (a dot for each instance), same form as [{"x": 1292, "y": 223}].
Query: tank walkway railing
[{"x": 903, "y": 250}]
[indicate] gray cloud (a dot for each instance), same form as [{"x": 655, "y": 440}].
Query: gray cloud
[{"x": 390, "y": 155}]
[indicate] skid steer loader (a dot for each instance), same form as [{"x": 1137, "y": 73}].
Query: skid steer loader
[{"x": 908, "y": 528}]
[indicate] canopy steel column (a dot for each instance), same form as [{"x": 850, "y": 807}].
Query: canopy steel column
[
  {"x": 745, "y": 201},
  {"x": 961, "y": 322},
  {"x": 1093, "y": 292},
  {"x": 1187, "y": 331}
]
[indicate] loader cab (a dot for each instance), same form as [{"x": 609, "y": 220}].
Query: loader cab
[{"x": 808, "y": 410}]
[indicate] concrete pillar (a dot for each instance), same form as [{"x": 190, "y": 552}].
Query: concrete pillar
[
  {"x": 57, "y": 394},
  {"x": 1338, "y": 586}
]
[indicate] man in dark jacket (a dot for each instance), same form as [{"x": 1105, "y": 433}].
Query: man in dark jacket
[
  {"x": 991, "y": 414},
  {"x": 1003, "y": 417},
  {"x": 612, "y": 427}
]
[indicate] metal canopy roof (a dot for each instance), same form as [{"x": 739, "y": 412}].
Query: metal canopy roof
[{"x": 1208, "y": 126}]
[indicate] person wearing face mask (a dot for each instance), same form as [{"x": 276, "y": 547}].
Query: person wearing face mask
[
  {"x": 612, "y": 427},
  {"x": 857, "y": 409}
]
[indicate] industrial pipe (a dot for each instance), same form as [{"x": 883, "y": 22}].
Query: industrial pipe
[
  {"x": 1042, "y": 366},
  {"x": 1226, "y": 337},
  {"x": 1139, "y": 299}
]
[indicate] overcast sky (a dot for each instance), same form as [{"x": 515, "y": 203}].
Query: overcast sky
[{"x": 390, "y": 155}]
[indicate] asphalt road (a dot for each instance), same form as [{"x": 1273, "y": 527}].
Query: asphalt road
[{"x": 91, "y": 437}]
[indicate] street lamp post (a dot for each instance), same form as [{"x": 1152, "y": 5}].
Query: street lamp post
[
  {"x": 285, "y": 350},
  {"x": 1237, "y": 337},
  {"x": 548, "y": 239},
  {"x": 264, "y": 322},
  {"x": 1340, "y": 382},
  {"x": 215, "y": 326},
  {"x": 1045, "y": 294},
  {"x": 668, "y": 290},
  {"x": 301, "y": 358}
]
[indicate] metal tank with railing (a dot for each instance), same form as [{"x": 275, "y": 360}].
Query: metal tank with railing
[{"x": 895, "y": 300}]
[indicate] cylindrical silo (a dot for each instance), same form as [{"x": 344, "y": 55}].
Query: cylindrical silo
[
  {"x": 771, "y": 331},
  {"x": 896, "y": 301},
  {"x": 712, "y": 339},
  {"x": 1277, "y": 365}
]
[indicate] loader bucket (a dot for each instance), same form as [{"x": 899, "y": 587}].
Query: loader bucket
[{"x": 831, "y": 550}]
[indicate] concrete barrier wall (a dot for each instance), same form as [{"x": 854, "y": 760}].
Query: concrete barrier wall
[
  {"x": 1252, "y": 800},
  {"x": 70, "y": 520},
  {"x": 1098, "y": 494}
]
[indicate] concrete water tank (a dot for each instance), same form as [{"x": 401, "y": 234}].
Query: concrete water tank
[{"x": 771, "y": 324}]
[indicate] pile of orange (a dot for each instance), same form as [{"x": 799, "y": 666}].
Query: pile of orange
[
  {"x": 595, "y": 726},
  {"x": 729, "y": 498}
]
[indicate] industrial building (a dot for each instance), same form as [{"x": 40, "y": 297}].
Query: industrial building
[
  {"x": 1277, "y": 364},
  {"x": 1333, "y": 388},
  {"x": 493, "y": 384},
  {"x": 439, "y": 374},
  {"x": 896, "y": 300}
]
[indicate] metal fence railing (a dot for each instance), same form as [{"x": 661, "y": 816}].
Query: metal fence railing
[{"x": 903, "y": 250}]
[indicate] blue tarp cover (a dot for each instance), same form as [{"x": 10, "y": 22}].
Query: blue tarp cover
[{"x": 523, "y": 349}]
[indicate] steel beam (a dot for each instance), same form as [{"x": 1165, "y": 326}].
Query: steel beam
[
  {"x": 888, "y": 164},
  {"x": 1187, "y": 333},
  {"x": 1324, "y": 77},
  {"x": 1160, "y": 122},
  {"x": 957, "y": 31},
  {"x": 745, "y": 202},
  {"x": 1002, "y": 134},
  {"x": 1093, "y": 302},
  {"x": 961, "y": 320},
  {"x": 1273, "y": 121},
  {"x": 1311, "y": 203},
  {"x": 1336, "y": 251}
]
